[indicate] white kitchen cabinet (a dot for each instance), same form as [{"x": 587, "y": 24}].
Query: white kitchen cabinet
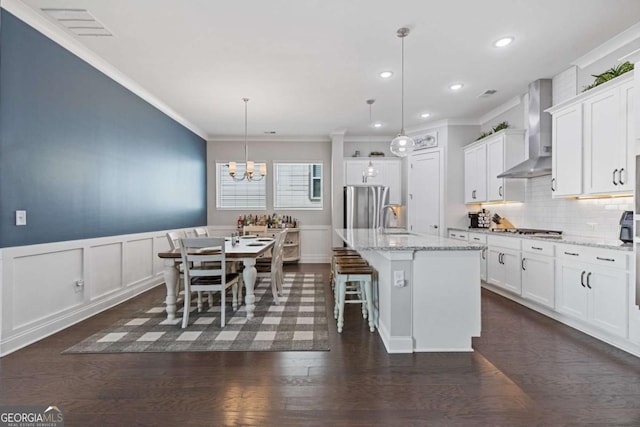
[
  {"x": 389, "y": 174},
  {"x": 504, "y": 263},
  {"x": 566, "y": 152},
  {"x": 481, "y": 239},
  {"x": 475, "y": 174},
  {"x": 590, "y": 292},
  {"x": 600, "y": 124},
  {"x": 505, "y": 149},
  {"x": 538, "y": 265},
  {"x": 608, "y": 141}
]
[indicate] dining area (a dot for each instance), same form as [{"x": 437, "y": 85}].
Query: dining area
[{"x": 202, "y": 263}]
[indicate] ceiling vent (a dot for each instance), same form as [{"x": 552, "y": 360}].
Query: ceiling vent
[
  {"x": 79, "y": 21},
  {"x": 487, "y": 93}
]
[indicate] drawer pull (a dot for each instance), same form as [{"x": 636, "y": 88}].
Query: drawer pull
[
  {"x": 476, "y": 238},
  {"x": 582, "y": 279},
  {"x": 536, "y": 248},
  {"x": 606, "y": 259},
  {"x": 572, "y": 253}
]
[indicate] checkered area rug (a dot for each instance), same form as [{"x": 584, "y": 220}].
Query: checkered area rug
[{"x": 298, "y": 323}]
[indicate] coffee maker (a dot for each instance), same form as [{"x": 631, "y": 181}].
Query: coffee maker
[
  {"x": 480, "y": 219},
  {"x": 626, "y": 227}
]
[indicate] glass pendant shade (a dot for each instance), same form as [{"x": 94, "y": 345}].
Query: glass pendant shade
[
  {"x": 370, "y": 171},
  {"x": 402, "y": 145}
]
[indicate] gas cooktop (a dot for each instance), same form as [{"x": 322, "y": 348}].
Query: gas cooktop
[{"x": 552, "y": 234}]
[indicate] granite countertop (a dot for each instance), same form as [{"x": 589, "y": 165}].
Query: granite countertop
[
  {"x": 567, "y": 239},
  {"x": 395, "y": 240}
]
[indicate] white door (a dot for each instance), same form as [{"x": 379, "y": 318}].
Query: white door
[
  {"x": 571, "y": 289},
  {"x": 604, "y": 146},
  {"x": 475, "y": 174},
  {"x": 566, "y": 159},
  {"x": 495, "y": 166},
  {"x": 424, "y": 194},
  {"x": 608, "y": 299},
  {"x": 537, "y": 279}
]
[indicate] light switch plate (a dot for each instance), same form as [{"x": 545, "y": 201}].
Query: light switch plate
[
  {"x": 21, "y": 217},
  {"x": 398, "y": 278}
]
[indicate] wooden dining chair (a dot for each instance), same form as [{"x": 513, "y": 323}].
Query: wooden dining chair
[
  {"x": 198, "y": 254},
  {"x": 272, "y": 267}
]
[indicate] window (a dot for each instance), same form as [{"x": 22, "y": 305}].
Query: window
[
  {"x": 239, "y": 195},
  {"x": 297, "y": 186}
]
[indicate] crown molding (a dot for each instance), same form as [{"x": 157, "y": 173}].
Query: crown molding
[
  {"x": 50, "y": 30},
  {"x": 269, "y": 138},
  {"x": 627, "y": 36},
  {"x": 442, "y": 123}
]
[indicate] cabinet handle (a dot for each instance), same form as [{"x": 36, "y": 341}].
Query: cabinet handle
[
  {"x": 522, "y": 264},
  {"x": 605, "y": 259},
  {"x": 476, "y": 238},
  {"x": 501, "y": 258},
  {"x": 614, "y": 176},
  {"x": 553, "y": 184},
  {"x": 536, "y": 248},
  {"x": 572, "y": 253},
  {"x": 620, "y": 177},
  {"x": 473, "y": 194},
  {"x": 483, "y": 253},
  {"x": 500, "y": 191},
  {"x": 434, "y": 226},
  {"x": 588, "y": 281},
  {"x": 582, "y": 279}
]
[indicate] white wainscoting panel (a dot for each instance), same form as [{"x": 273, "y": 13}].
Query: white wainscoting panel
[
  {"x": 45, "y": 284},
  {"x": 315, "y": 243},
  {"x": 106, "y": 275},
  {"x": 138, "y": 260},
  {"x": 38, "y": 292}
]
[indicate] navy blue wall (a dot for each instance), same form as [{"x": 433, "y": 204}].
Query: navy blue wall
[{"x": 84, "y": 156}]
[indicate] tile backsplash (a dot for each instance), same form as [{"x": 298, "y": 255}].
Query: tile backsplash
[{"x": 587, "y": 217}]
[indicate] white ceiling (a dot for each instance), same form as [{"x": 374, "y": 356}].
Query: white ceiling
[{"x": 308, "y": 66}]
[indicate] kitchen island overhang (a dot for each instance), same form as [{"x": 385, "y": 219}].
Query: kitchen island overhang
[{"x": 427, "y": 297}]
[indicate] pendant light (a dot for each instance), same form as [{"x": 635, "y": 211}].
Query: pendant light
[
  {"x": 249, "y": 170},
  {"x": 370, "y": 171},
  {"x": 402, "y": 145}
]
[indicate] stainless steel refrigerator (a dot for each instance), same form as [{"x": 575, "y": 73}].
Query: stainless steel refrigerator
[{"x": 364, "y": 205}]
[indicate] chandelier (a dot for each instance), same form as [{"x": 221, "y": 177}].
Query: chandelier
[
  {"x": 249, "y": 170},
  {"x": 402, "y": 145}
]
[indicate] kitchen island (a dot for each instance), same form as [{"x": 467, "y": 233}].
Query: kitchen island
[{"x": 428, "y": 291}]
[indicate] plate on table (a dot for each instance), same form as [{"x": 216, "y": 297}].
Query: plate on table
[
  {"x": 255, "y": 244},
  {"x": 249, "y": 236}
]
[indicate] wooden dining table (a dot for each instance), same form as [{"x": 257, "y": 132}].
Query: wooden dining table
[{"x": 247, "y": 250}]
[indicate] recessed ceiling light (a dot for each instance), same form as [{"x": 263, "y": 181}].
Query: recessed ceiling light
[
  {"x": 456, "y": 86},
  {"x": 505, "y": 41},
  {"x": 386, "y": 74},
  {"x": 425, "y": 115},
  {"x": 377, "y": 125}
]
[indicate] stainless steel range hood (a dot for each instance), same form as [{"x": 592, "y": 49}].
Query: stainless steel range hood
[{"x": 539, "y": 161}]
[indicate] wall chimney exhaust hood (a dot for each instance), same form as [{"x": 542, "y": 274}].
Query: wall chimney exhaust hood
[{"x": 539, "y": 161}]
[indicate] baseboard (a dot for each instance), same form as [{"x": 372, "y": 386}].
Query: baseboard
[{"x": 395, "y": 344}]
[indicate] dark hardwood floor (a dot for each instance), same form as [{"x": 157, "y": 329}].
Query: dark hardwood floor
[{"x": 527, "y": 370}]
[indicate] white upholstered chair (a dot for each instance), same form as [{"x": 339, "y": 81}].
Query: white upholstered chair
[{"x": 198, "y": 256}]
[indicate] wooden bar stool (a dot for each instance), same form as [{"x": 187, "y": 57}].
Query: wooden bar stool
[{"x": 363, "y": 292}]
